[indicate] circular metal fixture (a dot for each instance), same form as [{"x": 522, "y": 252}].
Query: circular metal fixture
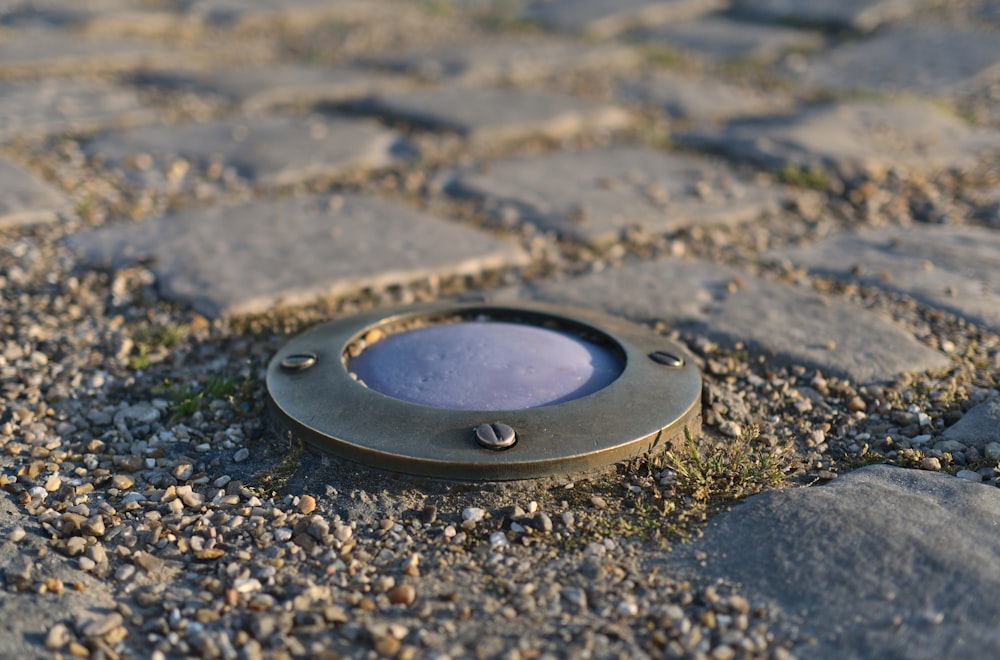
[{"x": 435, "y": 390}]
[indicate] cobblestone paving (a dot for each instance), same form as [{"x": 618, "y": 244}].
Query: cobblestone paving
[{"x": 806, "y": 194}]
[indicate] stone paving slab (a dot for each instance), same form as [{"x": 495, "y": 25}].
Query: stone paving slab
[
  {"x": 55, "y": 52},
  {"x": 717, "y": 37},
  {"x": 510, "y": 60},
  {"x": 249, "y": 258},
  {"x": 261, "y": 13},
  {"x": 700, "y": 100},
  {"x": 858, "y": 136},
  {"x": 882, "y": 562},
  {"x": 979, "y": 428},
  {"x": 607, "y": 18},
  {"x": 596, "y": 196},
  {"x": 498, "y": 115},
  {"x": 923, "y": 59},
  {"x": 267, "y": 87},
  {"x": 88, "y": 15},
  {"x": 947, "y": 267},
  {"x": 786, "y": 323},
  {"x": 49, "y": 107},
  {"x": 26, "y": 198},
  {"x": 272, "y": 151},
  {"x": 860, "y": 15}
]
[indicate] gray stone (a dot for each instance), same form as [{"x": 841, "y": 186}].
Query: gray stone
[
  {"x": 33, "y": 110},
  {"x": 272, "y": 151},
  {"x": 948, "y": 445},
  {"x": 606, "y": 18},
  {"x": 861, "y": 15},
  {"x": 698, "y": 99},
  {"x": 27, "y": 199},
  {"x": 263, "y": 88},
  {"x": 852, "y": 137},
  {"x": 91, "y": 15},
  {"x": 786, "y": 323},
  {"x": 882, "y": 562},
  {"x": 979, "y": 427},
  {"x": 597, "y": 195},
  {"x": 800, "y": 326},
  {"x": 31, "y": 15},
  {"x": 496, "y": 115},
  {"x": 720, "y": 38},
  {"x": 511, "y": 60},
  {"x": 264, "y": 13},
  {"x": 672, "y": 290},
  {"x": 950, "y": 268},
  {"x": 55, "y": 52},
  {"x": 250, "y": 258},
  {"x": 923, "y": 59}
]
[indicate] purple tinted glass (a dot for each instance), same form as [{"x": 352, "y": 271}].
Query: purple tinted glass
[{"x": 486, "y": 365}]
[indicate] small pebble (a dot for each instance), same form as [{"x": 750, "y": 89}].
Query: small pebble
[
  {"x": 147, "y": 562},
  {"x": 58, "y": 636},
  {"x": 76, "y": 545},
  {"x": 930, "y": 463},
  {"x": 387, "y": 646},
  {"x": 730, "y": 428},
  {"x": 856, "y": 404},
  {"x": 473, "y": 514},
  {"x": 122, "y": 482},
  {"x": 307, "y": 504},
  {"x": 402, "y": 594}
]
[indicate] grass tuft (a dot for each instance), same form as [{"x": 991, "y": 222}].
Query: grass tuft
[
  {"x": 185, "y": 401},
  {"x": 150, "y": 340},
  {"x": 803, "y": 177},
  {"x": 726, "y": 472},
  {"x": 671, "y": 495}
]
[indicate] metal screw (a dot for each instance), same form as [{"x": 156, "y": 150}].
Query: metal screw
[
  {"x": 299, "y": 361},
  {"x": 666, "y": 359},
  {"x": 495, "y": 435}
]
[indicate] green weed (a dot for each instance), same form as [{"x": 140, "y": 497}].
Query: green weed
[
  {"x": 148, "y": 341},
  {"x": 185, "y": 401},
  {"x": 801, "y": 177},
  {"x": 706, "y": 478},
  {"x": 726, "y": 472},
  {"x": 663, "y": 56},
  {"x": 139, "y": 359}
]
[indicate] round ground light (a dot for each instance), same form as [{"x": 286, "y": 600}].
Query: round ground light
[{"x": 484, "y": 392}]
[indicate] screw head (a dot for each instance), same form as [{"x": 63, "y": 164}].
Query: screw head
[
  {"x": 299, "y": 361},
  {"x": 495, "y": 436},
  {"x": 666, "y": 359}
]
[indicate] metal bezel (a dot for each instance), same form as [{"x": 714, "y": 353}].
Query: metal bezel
[{"x": 644, "y": 409}]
